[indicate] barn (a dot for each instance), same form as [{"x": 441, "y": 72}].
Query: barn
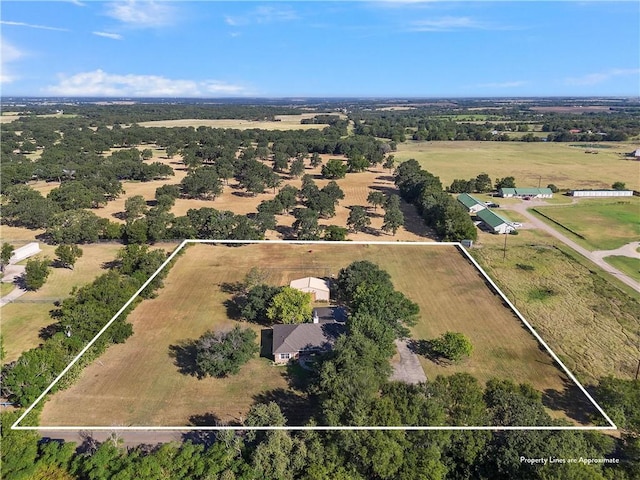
[
  {"x": 601, "y": 193},
  {"x": 472, "y": 204},
  {"x": 317, "y": 287},
  {"x": 494, "y": 222}
]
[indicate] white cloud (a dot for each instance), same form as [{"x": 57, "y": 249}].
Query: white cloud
[
  {"x": 113, "y": 36},
  {"x": 8, "y": 54},
  {"x": 601, "y": 77},
  {"x": 98, "y": 83},
  {"x": 449, "y": 24},
  {"x": 31, "y": 25},
  {"x": 142, "y": 14},
  {"x": 262, "y": 15}
]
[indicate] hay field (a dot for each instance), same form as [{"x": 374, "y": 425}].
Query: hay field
[
  {"x": 558, "y": 163},
  {"x": 285, "y": 122},
  {"x": 137, "y": 383},
  {"x": 604, "y": 224}
]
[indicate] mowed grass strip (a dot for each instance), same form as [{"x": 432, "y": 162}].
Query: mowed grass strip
[
  {"x": 530, "y": 163},
  {"x": 604, "y": 224},
  {"x": 137, "y": 383},
  {"x": 628, "y": 265}
]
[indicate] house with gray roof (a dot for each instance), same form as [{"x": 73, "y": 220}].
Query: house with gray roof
[
  {"x": 472, "y": 204},
  {"x": 290, "y": 341}
]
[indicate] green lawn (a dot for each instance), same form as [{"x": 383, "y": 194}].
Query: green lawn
[
  {"x": 603, "y": 224},
  {"x": 628, "y": 265}
]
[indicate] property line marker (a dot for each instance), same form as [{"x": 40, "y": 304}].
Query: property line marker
[{"x": 16, "y": 425}]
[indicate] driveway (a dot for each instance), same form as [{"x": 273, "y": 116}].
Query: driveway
[
  {"x": 595, "y": 257},
  {"x": 408, "y": 368},
  {"x": 11, "y": 272}
]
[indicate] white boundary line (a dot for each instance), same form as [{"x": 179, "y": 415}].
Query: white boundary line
[{"x": 611, "y": 426}]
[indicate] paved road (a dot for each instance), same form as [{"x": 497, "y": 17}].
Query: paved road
[
  {"x": 11, "y": 272},
  {"x": 595, "y": 257},
  {"x": 408, "y": 369}
]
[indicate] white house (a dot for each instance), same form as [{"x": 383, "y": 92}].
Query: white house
[
  {"x": 318, "y": 288},
  {"x": 494, "y": 222},
  {"x": 26, "y": 251}
]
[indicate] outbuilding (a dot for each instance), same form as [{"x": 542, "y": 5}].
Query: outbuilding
[
  {"x": 526, "y": 192},
  {"x": 494, "y": 222},
  {"x": 601, "y": 193},
  {"x": 317, "y": 287},
  {"x": 26, "y": 251},
  {"x": 472, "y": 204}
]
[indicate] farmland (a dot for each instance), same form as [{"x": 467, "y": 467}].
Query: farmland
[
  {"x": 530, "y": 163},
  {"x": 282, "y": 122},
  {"x": 138, "y": 382},
  {"x": 602, "y": 224}
]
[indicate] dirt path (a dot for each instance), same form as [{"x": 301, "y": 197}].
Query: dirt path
[
  {"x": 130, "y": 438},
  {"x": 595, "y": 257},
  {"x": 408, "y": 369}
]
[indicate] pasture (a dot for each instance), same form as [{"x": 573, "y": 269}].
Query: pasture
[
  {"x": 138, "y": 382},
  {"x": 603, "y": 224},
  {"x": 585, "y": 316},
  {"x": 530, "y": 163},
  {"x": 282, "y": 122}
]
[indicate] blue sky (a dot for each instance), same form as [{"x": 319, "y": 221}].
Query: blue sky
[{"x": 404, "y": 48}]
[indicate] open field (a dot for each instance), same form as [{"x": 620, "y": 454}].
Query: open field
[
  {"x": 588, "y": 318},
  {"x": 137, "y": 383},
  {"x": 603, "y": 224},
  {"x": 530, "y": 163},
  {"x": 284, "y": 122},
  {"x": 628, "y": 265}
]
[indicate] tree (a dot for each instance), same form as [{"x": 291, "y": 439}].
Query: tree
[
  {"x": 334, "y": 168},
  {"x": 483, "y": 183},
  {"x": 619, "y": 186},
  {"x": 290, "y": 306},
  {"x": 76, "y": 226},
  {"x": 453, "y": 346},
  {"x": 287, "y": 196},
  {"x": 5, "y": 255},
  {"x": 393, "y": 219},
  {"x": 135, "y": 207},
  {"x": 389, "y": 162},
  {"x": 253, "y": 306},
  {"x": 306, "y": 224},
  {"x": 202, "y": 183},
  {"x": 36, "y": 272},
  {"x": 357, "y": 163},
  {"x": 219, "y": 354},
  {"x": 68, "y": 254},
  {"x": 315, "y": 160},
  {"x": 376, "y": 198},
  {"x": 147, "y": 154},
  {"x": 296, "y": 168},
  {"x": 358, "y": 219},
  {"x": 553, "y": 188},
  {"x": 506, "y": 182},
  {"x": 335, "y": 233}
]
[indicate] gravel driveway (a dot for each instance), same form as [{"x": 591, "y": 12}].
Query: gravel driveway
[{"x": 408, "y": 369}]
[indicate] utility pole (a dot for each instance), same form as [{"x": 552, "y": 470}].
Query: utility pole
[
  {"x": 504, "y": 251},
  {"x": 539, "y": 180}
]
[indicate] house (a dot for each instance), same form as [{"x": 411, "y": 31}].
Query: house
[
  {"x": 318, "y": 288},
  {"x": 601, "y": 193},
  {"x": 290, "y": 341},
  {"x": 472, "y": 204},
  {"x": 526, "y": 192},
  {"x": 29, "y": 250},
  {"x": 494, "y": 222}
]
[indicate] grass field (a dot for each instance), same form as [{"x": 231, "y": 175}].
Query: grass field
[
  {"x": 137, "y": 383},
  {"x": 628, "y": 265},
  {"x": 604, "y": 224},
  {"x": 530, "y": 163},
  {"x": 285, "y": 122},
  {"x": 590, "y": 322}
]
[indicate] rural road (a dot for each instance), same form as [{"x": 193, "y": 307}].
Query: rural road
[
  {"x": 11, "y": 272},
  {"x": 595, "y": 257},
  {"x": 408, "y": 369}
]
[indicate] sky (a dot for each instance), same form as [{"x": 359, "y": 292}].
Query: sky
[{"x": 400, "y": 48}]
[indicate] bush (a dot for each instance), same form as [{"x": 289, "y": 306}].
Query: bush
[
  {"x": 219, "y": 354},
  {"x": 452, "y": 346}
]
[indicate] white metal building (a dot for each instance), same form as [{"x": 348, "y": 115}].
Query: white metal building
[
  {"x": 317, "y": 287},
  {"x": 601, "y": 193}
]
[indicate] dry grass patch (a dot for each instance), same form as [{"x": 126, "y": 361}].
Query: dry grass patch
[
  {"x": 138, "y": 383},
  {"x": 283, "y": 122}
]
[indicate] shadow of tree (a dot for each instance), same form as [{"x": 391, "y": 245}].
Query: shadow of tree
[
  {"x": 425, "y": 348},
  {"x": 572, "y": 401},
  {"x": 184, "y": 357},
  {"x": 49, "y": 331},
  {"x": 297, "y": 409},
  {"x": 266, "y": 343}
]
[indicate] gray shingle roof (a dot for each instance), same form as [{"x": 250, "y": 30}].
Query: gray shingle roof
[{"x": 305, "y": 336}]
